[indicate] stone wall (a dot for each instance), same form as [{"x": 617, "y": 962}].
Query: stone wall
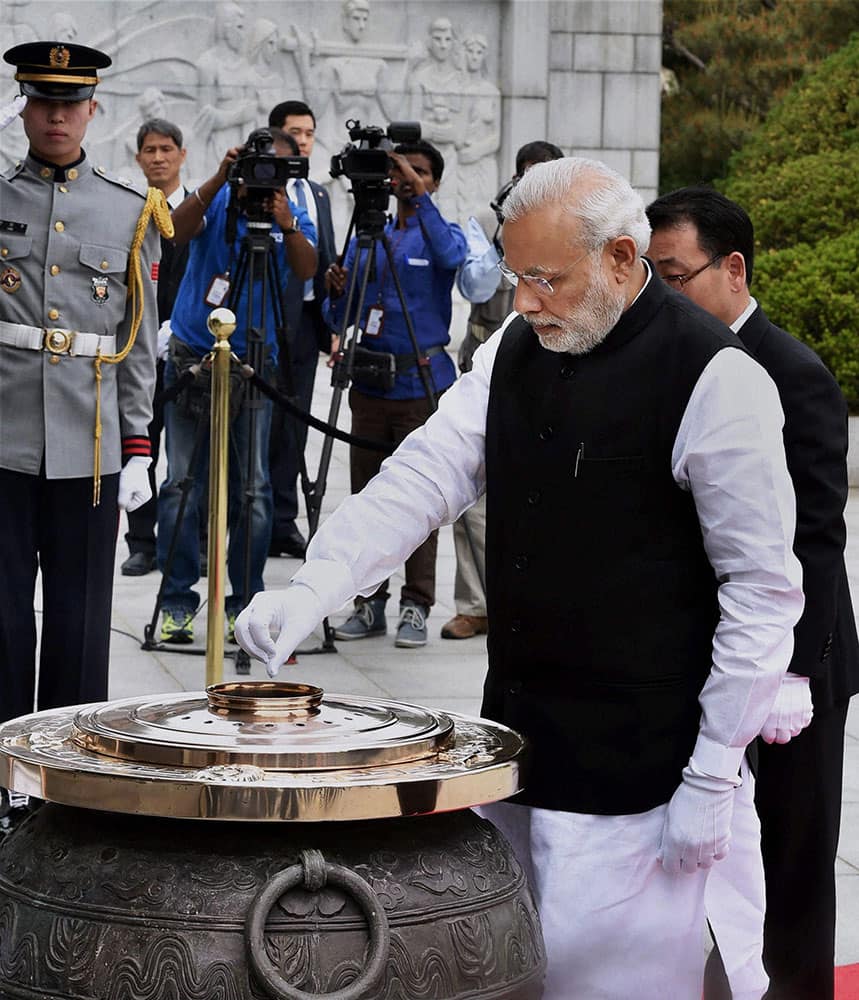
[{"x": 482, "y": 76}]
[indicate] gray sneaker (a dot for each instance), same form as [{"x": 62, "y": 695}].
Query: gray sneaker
[
  {"x": 412, "y": 629},
  {"x": 366, "y": 620}
]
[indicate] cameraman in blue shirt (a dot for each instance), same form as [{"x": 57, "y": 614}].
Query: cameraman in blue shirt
[
  {"x": 204, "y": 219},
  {"x": 427, "y": 250}
]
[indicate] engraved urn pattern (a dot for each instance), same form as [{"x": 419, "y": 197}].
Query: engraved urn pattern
[{"x": 97, "y": 906}]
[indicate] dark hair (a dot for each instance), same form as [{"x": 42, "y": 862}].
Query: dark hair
[
  {"x": 278, "y": 135},
  {"x": 280, "y": 112},
  {"x": 723, "y": 226},
  {"x": 538, "y": 151},
  {"x": 162, "y": 127},
  {"x": 425, "y": 149}
]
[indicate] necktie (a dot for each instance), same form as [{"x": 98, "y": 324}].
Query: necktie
[{"x": 301, "y": 200}]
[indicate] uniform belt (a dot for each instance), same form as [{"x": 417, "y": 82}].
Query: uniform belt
[{"x": 55, "y": 340}]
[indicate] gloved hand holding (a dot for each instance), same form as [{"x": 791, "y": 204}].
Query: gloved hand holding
[
  {"x": 292, "y": 614},
  {"x": 697, "y": 830},
  {"x": 134, "y": 488},
  {"x": 791, "y": 711}
]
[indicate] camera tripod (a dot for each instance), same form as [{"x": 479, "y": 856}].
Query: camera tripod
[{"x": 256, "y": 276}]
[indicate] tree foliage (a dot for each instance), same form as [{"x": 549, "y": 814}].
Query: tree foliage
[
  {"x": 733, "y": 59},
  {"x": 797, "y": 177}
]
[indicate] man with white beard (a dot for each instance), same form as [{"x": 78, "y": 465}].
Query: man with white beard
[{"x": 640, "y": 575}]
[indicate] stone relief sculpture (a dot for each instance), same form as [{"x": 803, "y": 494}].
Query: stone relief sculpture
[
  {"x": 227, "y": 89},
  {"x": 477, "y": 145},
  {"x": 217, "y": 68},
  {"x": 436, "y": 89}
]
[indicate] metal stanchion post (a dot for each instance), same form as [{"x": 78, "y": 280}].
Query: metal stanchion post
[{"x": 221, "y": 325}]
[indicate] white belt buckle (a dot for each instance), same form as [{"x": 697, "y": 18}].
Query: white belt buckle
[{"x": 58, "y": 341}]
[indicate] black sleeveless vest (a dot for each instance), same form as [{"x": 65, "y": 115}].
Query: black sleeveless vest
[{"x": 601, "y": 598}]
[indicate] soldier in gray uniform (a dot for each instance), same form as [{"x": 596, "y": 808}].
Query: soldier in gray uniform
[{"x": 66, "y": 235}]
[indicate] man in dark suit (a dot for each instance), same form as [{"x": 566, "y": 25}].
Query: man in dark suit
[
  {"x": 160, "y": 155},
  {"x": 307, "y": 335},
  {"x": 703, "y": 245}
]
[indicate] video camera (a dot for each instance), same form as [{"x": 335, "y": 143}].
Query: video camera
[
  {"x": 259, "y": 171},
  {"x": 368, "y": 167},
  {"x": 368, "y": 161}
]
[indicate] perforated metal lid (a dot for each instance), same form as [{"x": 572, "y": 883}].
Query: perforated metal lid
[{"x": 260, "y": 751}]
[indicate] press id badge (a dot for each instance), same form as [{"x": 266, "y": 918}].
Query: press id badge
[
  {"x": 218, "y": 291},
  {"x": 375, "y": 318}
]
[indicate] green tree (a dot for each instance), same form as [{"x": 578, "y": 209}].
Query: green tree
[
  {"x": 798, "y": 180},
  {"x": 732, "y": 61}
]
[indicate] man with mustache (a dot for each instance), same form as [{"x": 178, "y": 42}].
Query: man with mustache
[{"x": 640, "y": 576}]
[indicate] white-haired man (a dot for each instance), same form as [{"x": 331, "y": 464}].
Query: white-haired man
[{"x": 638, "y": 502}]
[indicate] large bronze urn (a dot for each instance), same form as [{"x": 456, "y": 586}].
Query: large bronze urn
[{"x": 262, "y": 841}]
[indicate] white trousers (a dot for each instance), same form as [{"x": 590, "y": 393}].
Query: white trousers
[
  {"x": 735, "y": 901},
  {"x": 615, "y": 923}
]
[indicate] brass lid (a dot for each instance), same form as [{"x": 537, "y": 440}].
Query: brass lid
[{"x": 260, "y": 751}]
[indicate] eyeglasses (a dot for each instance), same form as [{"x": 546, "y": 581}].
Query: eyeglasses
[
  {"x": 542, "y": 286},
  {"x": 682, "y": 280}
]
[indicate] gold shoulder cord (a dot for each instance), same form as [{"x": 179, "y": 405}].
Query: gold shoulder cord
[{"x": 155, "y": 208}]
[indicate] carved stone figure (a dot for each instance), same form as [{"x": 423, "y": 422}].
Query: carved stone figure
[
  {"x": 481, "y": 136},
  {"x": 227, "y": 95},
  {"x": 436, "y": 88}
]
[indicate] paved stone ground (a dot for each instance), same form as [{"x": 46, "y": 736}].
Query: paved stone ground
[{"x": 444, "y": 674}]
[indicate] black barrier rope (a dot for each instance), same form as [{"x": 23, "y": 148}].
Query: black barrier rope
[
  {"x": 319, "y": 425},
  {"x": 286, "y": 403}
]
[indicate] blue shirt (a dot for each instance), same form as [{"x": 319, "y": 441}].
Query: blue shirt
[
  {"x": 210, "y": 255},
  {"x": 426, "y": 255}
]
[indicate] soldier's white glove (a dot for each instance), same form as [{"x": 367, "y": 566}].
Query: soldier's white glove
[
  {"x": 791, "y": 711},
  {"x": 697, "y": 829},
  {"x": 9, "y": 112},
  {"x": 134, "y": 488},
  {"x": 290, "y": 614}
]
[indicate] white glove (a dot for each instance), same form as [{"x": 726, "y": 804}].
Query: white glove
[
  {"x": 292, "y": 614},
  {"x": 164, "y": 334},
  {"x": 9, "y": 112},
  {"x": 697, "y": 830},
  {"x": 791, "y": 711},
  {"x": 134, "y": 488}
]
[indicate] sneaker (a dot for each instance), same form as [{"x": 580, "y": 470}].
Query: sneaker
[
  {"x": 412, "y": 629},
  {"x": 464, "y": 627},
  {"x": 231, "y": 627},
  {"x": 177, "y": 627},
  {"x": 367, "y": 619}
]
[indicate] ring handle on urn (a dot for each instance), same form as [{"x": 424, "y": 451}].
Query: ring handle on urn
[{"x": 313, "y": 872}]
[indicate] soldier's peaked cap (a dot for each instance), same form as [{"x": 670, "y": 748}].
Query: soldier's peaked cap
[{"x": 56, "y": 71}]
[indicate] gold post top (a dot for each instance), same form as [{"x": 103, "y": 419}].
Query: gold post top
[
  {"x": 260, "y": 751},
  {"x": 221, "y": 323}
]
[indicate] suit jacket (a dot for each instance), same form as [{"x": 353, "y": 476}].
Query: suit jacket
[
  {"x": 815, "y": 439},
  {"x": 326, "y": 252}
]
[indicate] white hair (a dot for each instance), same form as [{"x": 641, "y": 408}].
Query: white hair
[{"x": 599, "y": 197}]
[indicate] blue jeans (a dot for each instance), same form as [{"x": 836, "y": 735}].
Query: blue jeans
[{"x": 185, "y": 572}]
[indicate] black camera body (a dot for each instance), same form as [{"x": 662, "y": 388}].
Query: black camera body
[
  {"x": 368, "y": 160},
  {"x": 258, "y": 172}
]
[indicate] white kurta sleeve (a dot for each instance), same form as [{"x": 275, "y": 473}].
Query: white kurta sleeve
[
  {"x": 434, "y": 475},
  {"x": 729, "y": 453}
]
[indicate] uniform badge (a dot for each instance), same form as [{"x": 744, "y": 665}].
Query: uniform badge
[
  {"x": 100, "y": 291},
  {"x": 10, "y": 280},
  {"x": 60, "y": 57}
]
